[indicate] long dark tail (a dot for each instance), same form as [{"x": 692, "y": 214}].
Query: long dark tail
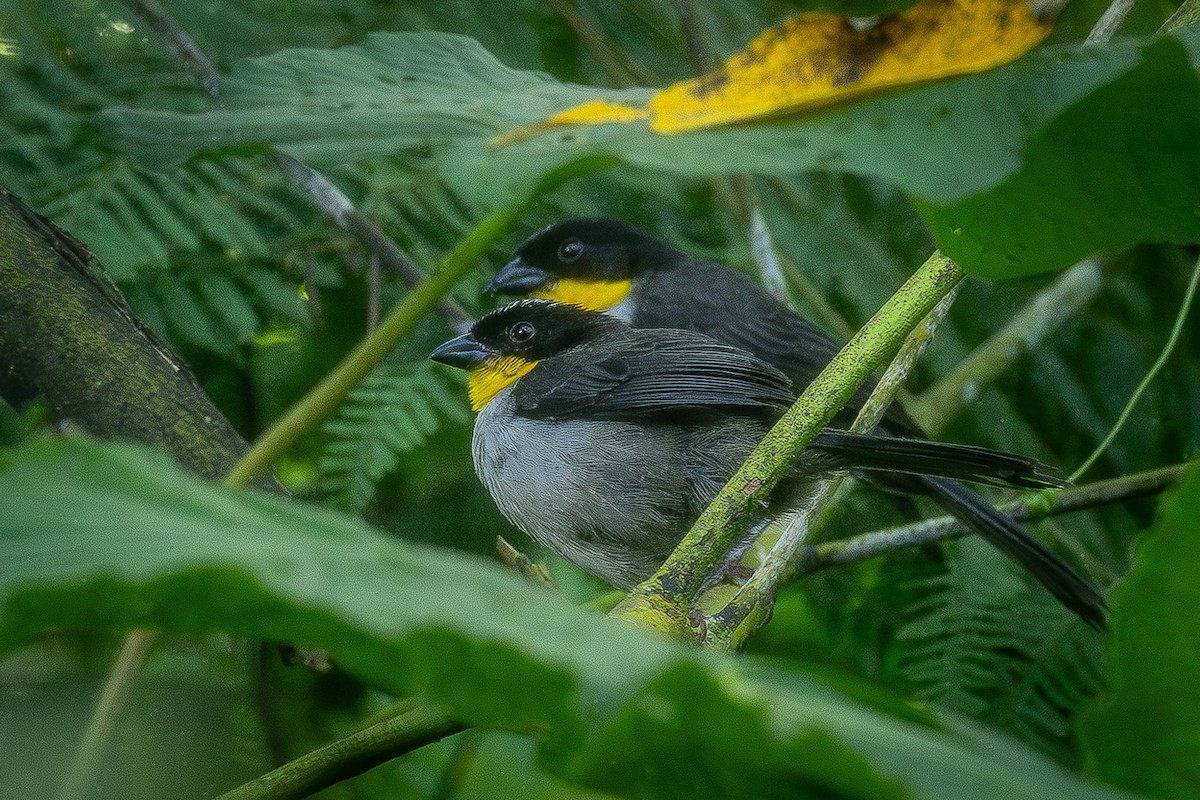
[
  {"x": 964, "y": 462},
  {"x": 1011, "y": 538}
]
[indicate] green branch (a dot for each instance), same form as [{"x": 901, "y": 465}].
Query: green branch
[
  {"x": 664, "y": 601},
  {"x": 1037, "y": 506},
  {"x": 325, "y": 398},
  {"x": 750, "y": 607},
  {"x": 350, "y": 756}
]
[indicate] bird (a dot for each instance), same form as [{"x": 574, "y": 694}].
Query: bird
[
  {"x": 604, "y": 442},
  {"x": 606, "y": 264},
  {"x": 609, "y": 265}
]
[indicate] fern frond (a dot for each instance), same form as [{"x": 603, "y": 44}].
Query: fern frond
[
  {"x": 985, "y": 642},
  {"x": 393, "y": 411}
]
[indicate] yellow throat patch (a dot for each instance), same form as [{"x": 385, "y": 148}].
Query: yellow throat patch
[
  {"x": 486, "y": 380},
  {"x": 590, "y": 295}
]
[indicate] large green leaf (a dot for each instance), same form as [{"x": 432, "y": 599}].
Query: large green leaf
[
  {"x": 99, "y": 537},
  {"x": 999, "y": 162},
  {"x": 1144, "y": 733}
]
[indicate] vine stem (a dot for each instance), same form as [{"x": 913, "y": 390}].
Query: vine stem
[
  {"x": 133, "y": 654},
  {"x": 1151, "y": 374}
]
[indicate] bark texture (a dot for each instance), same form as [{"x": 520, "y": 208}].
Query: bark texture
[{"x": 67, "y": 335}]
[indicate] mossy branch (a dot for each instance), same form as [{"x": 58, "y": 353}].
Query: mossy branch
[
  {"x": 750, "y": 607},
  {"x": 664, "y": 601},
  {"x": 417, "y": 725}
]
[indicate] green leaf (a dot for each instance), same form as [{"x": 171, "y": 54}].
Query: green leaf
[
  {"x": 1144, "y": 733},
  {"x": 112, "y": 536},
  {"x": 1136, "y": 171},
  {"x": 991, "y": 158}
]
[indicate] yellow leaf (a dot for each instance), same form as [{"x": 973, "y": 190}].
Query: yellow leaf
[
  {"x": 593, "y": 112},
  {"x": 817, "y": 60}
]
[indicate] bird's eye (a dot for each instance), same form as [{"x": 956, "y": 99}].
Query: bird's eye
[
  {"x": 521, "y": 332},
  {"x": 570, "y": 250}
]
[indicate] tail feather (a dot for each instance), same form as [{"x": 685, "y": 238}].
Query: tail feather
[
  {"x": 1011, "y": 538},
  {"x": 961, "y": 462}
]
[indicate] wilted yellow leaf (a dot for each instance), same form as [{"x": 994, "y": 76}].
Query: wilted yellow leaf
[{"x": 817, "y": 60}]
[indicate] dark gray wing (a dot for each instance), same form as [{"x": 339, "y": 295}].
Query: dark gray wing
[
  {"x": 718, "y": 301},
  {"x": 649, "y": 372}
]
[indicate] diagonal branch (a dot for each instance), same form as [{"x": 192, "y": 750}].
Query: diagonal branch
[
  {"x": 750, "y": 607},
  {"x": 416, "y": 726},
  {"x": 663, "y": 601}
]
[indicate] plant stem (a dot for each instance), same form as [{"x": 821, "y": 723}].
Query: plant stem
[
  {"x": 1187, "y": 14},
  {"x": 324, "y": 399},
  {"x": 181, "y": 44},
  {"x": 663, "y": 601},
  {"x": 113, "y": 696},
  {"x": 618, "y": 65},
  {"x": 1168, "y": 348},
  {"x": 731, "y": 627},
  {"x": 1038, "y": 506},
  {"x": 334, "y": 204},
  {"x": 350, "y": 756},
  {"x": 1109, "y": 21}
]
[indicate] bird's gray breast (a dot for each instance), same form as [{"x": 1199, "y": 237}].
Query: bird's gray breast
[{"x": 610, "y": 496}]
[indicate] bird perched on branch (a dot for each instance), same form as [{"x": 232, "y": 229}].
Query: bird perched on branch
[
  {"x": 605, "y": 442},
  {"x": 608, "y": 265}
]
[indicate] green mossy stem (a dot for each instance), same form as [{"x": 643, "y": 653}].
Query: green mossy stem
[
  {"x": 418, "y": 725},
  {"x": 325, "y": 398},
  {"x": 664, "y": 601}
]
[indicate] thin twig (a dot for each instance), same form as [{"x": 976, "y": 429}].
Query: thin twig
[
  {"x": 765, "y": 255},
  {"x": 1109, "y": 21},
  {"x": 893, "y": 377},
  {"x": 624, "y": 73},
  {"x": 103, "y": 721},
  {"x": 697, "y": 49},
  {"x": 813, "y": 298},
  {"x": 1038, "y": 506},
  {"x": 1187, "y": 14},
  {"x": 338, "y": 207},
  {"x": 1159, "y": 363},
  {"x": 181, "y": 44}
]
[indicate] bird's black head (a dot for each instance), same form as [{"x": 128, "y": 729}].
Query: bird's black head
[
  {"x": 509, "y": 342},
  {"x": 538, "y": 329},
  {"x": 587, "y": 262}
]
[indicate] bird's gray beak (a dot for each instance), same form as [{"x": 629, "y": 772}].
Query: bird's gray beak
[
  {"x": 462, "y": 352},
  {"x": 517, "y": 277}
]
